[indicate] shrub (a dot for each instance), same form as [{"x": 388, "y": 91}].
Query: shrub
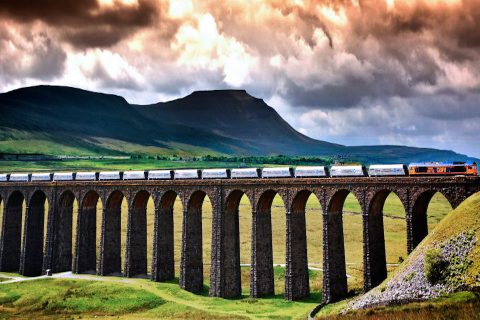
[{"x": 435, "y": 266}]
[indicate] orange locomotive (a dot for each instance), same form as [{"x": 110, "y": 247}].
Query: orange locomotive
[{"x": 443, "y": 168}]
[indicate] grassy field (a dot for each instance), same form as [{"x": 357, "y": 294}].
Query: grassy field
[
  {"x": 460, "y": 306},
  {"x": 67, "y": 298},
  {"x": 135, "y": 299},
  {"x": 395, "y": 234},
  {"x": 179, "y": 304}
]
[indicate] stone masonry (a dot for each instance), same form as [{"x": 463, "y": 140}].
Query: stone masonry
[{"x": 54, "y": 251}]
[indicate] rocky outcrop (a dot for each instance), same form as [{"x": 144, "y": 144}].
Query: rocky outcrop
[{"x": 411, "y": 284}]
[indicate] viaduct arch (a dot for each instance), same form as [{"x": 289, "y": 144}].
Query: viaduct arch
[{"x": 30, "y": 259}]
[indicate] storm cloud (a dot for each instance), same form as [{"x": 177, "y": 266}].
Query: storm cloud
[{"x": 346, "y": 71}]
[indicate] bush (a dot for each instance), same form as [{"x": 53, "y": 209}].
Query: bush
[{"x": 435, "y": 266}]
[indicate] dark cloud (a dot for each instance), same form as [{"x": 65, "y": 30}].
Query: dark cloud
[
  {"x": 349, "y": 71},
  {"x": 84, "y": 23}
]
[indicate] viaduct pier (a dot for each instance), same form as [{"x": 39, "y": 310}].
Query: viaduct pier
[{"x": 34, "y": 254}]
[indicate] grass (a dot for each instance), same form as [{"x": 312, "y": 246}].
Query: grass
[
  {"x": 180, "y": 304},
  {"x": 464, "y": 218},
  {"x": 61, "y": 296},
  {"x": 395, "y": 235},
  {"x": 137, "y": 298},
  {"x": 461, "y": 306}
]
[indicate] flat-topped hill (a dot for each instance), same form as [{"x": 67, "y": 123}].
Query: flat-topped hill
[{"x": 59, "y": 120}]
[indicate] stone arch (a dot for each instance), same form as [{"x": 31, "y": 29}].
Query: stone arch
[
  {"x": 335, "y": 275},
  {"x": 168, "y": 199},
  {"x": 262, "y": 248},
  {"x": 136, "y": 255},
  {"x": 335, "y": 205},
  {"x": 86, "y": 241},
  {"x": 191, "y": 265},
  {"x": 111, "y": 244},
  {"x": 375, "y": 260},
  {"x": 231, "y": 244},
  {"x": 418, "y": 216},
  {"x": 62, "y": 238},
  {"x": 32, "y": 250},
  {"x": 1, "y": 215},
  {"x": 264, "y": 202},
  {"x": 12, "y": 231},
  {"x": 297, "y": 284},
  {"x": 163, "y": 262}
]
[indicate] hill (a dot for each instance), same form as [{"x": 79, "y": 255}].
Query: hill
[
  {"x": 446, "y": 261},
  {"x": 68, "y": 121}
]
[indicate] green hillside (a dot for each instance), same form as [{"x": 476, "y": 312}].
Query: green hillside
[
  {"x": 433, "y": 277},
  {"x": 54, "y": 120}
]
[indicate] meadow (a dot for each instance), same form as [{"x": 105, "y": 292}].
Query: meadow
[
  {"x": 24, "y": 298},
  {"x": 395, "y": 235}
]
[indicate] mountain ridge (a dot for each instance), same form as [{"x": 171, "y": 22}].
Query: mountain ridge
[{"x": 228, "y": 122}]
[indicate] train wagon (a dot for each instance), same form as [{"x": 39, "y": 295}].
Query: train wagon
[
  {"x": 4, "y": 177},
  {"x": 311, "y": 172},
  {"x": 387, "y": 170},
  {"x": 348, "y": 171},
  {"x": 282, "y": 172},
  {"x": 160, "y": 175},
  {"x": 41, "y": 177},
  {"x": 87, "y": 176},
  {"x": 443, "y": 168},
  {"x": 134, "y": 175},
  {"x": 216, "y": 174},
  {"x": 63, "y": 176},
  {"x": 19, "y": 177},
  {"x": 110, "y": 175},
  {"x": 187, "y": 174},
  {"x": 246, "y": 173}
]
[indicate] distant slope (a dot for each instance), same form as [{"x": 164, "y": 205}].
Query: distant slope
[
  {"x": 96, "y": 123},
  {"x": 457, "y": 237},
  {"x": 238, "y": 115},
  {"x": 69, "y": 121}
]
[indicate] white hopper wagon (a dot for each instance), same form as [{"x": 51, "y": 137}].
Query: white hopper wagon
[
  {"x": 187, "y": 174},
  {"x": 19, "y": 177},
  {"x": 216, "y": 174},
  {"x": 160, "y": 175},
  {"x": 385, "y": 170},
  {"x": 282, "y": 172},
  {"x": 41, "y": 177},
  {"x": 311, "y": 172},
  {"x": 63, "y": 176},
  {"x": 134, "y": 175},
  {"x": 245, "y": 173},
  {"x": 347, "y": 171},
  {"x": 86, "y": 176},
  {"x": 110, "y": 175}
]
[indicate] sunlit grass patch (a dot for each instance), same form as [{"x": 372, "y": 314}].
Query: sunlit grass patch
[{"x": 75, "y": 297}]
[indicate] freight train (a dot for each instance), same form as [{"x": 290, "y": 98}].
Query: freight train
[{"x": 374, "y": 170}]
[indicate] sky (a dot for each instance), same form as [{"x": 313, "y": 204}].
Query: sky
[{"x": 354, "y": 72}]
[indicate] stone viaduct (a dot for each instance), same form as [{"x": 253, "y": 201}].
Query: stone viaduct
[{"x": 37, "y": 254}]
